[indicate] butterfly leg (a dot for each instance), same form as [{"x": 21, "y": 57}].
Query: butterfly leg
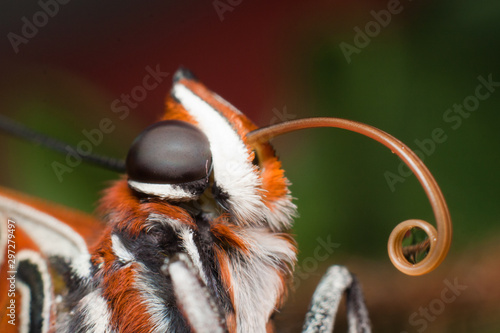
[
  {"x": 326, "y": 299},
  {"x": 193, "y": 297}
]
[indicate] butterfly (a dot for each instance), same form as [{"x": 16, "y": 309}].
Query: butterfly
[{"x": 194, "y": 237}]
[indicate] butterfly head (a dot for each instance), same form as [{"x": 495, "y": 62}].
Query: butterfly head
[{"x": 198, "y": 157}]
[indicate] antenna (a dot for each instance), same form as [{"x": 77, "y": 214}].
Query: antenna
[{"x": 21, "y": 131}]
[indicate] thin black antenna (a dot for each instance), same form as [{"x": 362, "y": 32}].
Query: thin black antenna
[{"x": 16, "y": 129}]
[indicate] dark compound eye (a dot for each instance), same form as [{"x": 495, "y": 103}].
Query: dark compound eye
[{"x": 169, "y": 152}]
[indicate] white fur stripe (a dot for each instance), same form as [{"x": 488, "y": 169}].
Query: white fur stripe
[
  {"x": 162, "y": 219},
  {"x": 282, "y": 213},
  {"x": 123, "y": 255},
  {"x": 37, "y": 260},
  {"x": 256, "y": 281},
  {"x": 52, "y": 236},
  {"x": 194, "y": 299},
  {"x": 97, "y": 316},
  {"x": 24, "y": 313},
  {"x": 233, "y": 172},
  {"x": 191, "y": 249},
  {"x": 166, "y": 191},
  {"x": 158, "y": 312}
]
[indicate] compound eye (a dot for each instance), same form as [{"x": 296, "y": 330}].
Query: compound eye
[{"x": 169, "y": 152}]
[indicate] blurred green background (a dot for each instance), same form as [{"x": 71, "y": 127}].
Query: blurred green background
[{"x": 284, "y": 60}]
